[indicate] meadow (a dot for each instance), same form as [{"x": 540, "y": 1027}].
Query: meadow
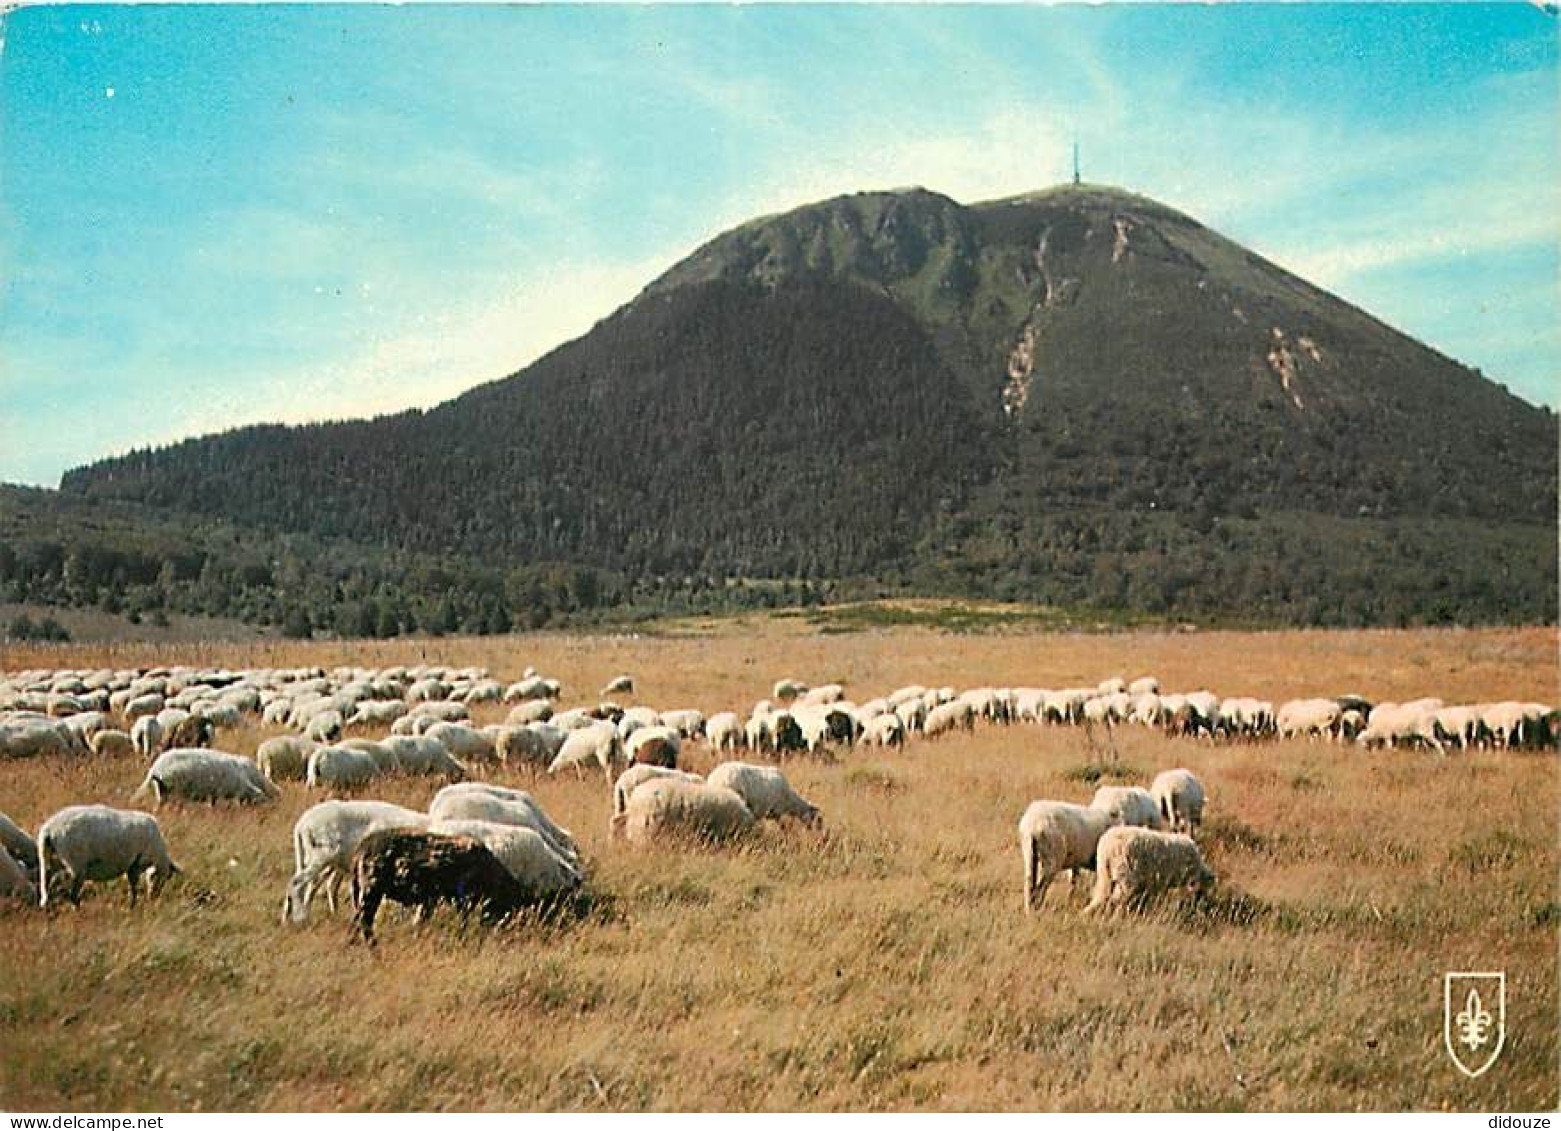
[{"x": 883, "y": 963}]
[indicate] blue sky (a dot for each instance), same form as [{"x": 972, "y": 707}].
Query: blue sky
[{"x": 215, "y": 216}]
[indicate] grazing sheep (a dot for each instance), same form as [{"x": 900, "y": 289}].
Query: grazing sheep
[
  {"x": 597, "y": 744},
  {"x": 823, "y": 694},
  {"x": 468, "y": 745},
  {"x": 285, "y": 758},
  {"x": 765, "y": 791},
  {"x": 884, "y": 730},
  {"x": 1057, "y": 837},
  {"x": 523, "y": 851},
  {"x": 619, "y": 685},
  {"x": 1134, "y": 865},
  {"x": 654, "y": 746},
  {"x": 35, "y": 736},
  {"x": 94, "y": 842},
  {"x": 422, "y": 870},
  {"x": 785, "y": 690},
  {"x": 635, "y": 776},
  {"x": 1128, "y": 805},
  {"x": 324, "y": 839},
  {"x": 424, "y": 757},
  {"x": 22, "y": 847},
  {"x": 205, "y": 775},
  {"x": 340, "y": 767},
  {"x": 112, "y": 744},
  {"x": 724, "y": 731},
  {"x": 676, "y": 807},
  {"x": 326, "y": 727},
  {"x": 15, "y": 883},
  {"x": 687, "y": 722},
  {"x": 531, "y": 711},
  {"x": 1144, "y": 685},
  {"x": 146, "y": 735},
  {"x": 947, "y": 717},
  {"x": 478, "y": 801},
  {"x": 1179, "y": 796},
  {"x": 144, "y": 706},
  {"x": 1310, "y": 717}
]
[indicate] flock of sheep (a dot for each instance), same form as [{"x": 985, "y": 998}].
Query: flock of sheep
[{"x": 490, "y": 848}]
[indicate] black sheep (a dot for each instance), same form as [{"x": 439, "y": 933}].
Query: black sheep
[{"x": 422, "y": 870}]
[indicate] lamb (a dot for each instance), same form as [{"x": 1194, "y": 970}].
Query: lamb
[
  {"x": 523, "y": 851},
  {"x": 422, "y": 870},
  {"x": 597, "y": 743},
  {"x": 1179, "y": 796},
  {"x": 94, "y": 842},
  {"x": 285, "y": 758},
  {"x": 637, "y": 775},
  {"x": 205, "y": 775},
  {"x": 324, "y": 839},
  {"x": 765, "y": 792},
  {"x": 1134, "y": 865},
  {"x": 672, "y": 806},
  {"x": 1057, "y": 837},
  {"x": 1128, "y": 805},
  {"x": 112, "y": 744},
  {"x": 14, "y": 882},
  {"x": 340, "y": 767},
  {"x": 724, "y": 731},
  {"x": 478, "y": 801},
  {"x": 654, "y": 746}
]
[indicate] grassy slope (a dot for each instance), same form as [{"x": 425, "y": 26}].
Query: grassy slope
[{"x": 884, "y": 965}]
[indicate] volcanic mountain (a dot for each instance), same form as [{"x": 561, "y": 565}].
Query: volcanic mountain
[{"x": 1075, "y": 394}]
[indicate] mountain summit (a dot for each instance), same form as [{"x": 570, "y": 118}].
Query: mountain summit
[{"x": 1060, "y": 395}]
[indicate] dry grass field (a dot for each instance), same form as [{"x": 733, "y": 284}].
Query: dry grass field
[{"x": 882, "y": 964}]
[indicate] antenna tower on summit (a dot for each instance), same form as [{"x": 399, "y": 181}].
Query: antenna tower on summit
[{"x": 1075, "y": 160}]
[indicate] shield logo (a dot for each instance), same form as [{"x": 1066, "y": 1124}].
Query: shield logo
[{"x": 1474, "y": 1019}]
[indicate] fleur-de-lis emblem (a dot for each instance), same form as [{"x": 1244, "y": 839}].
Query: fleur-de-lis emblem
[
  {"x": 1475, "y": 1034},
  {"x": 1474, "y": 1022}
]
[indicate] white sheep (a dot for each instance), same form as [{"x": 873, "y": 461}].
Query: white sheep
[
  {"x": 22, "y": 847},
  {"x": 669, "y": 805},
  {"x": 94, "y": 842},
  {"x": 635, "y": 776},
  {"x": 325, "y": 727},
  {"x": 619, "y": 685},
  {"x": 324, "y": 839},
  {"x": 193, "y": 774},
  {"x": 1310, "y": 717},
  {"x": 112, "y": 744},
  {"x": 1133, "y": 865},
  {"x": 884, "y": 730},
  {"x": 655, "y": 746},
  {"x": 765, "y": 791},
  {"x": 146, "y": 734},
  {"x": 523, "y": 851},
  {"x": 424, "y": 756},
  {"x": 340, "y": 767},
  {"x": 531, "y": 711},
  {"x": 1057, "y": 837},
  {"x": 479, "y": 801},
  {"x": 14, "y": 882},
  {"x": 466, "y": 744},
  {"x": 724, "y": 731},
  {"x": 285, "y": 757},
  {"x": 1128, "y": 805},
  {"x": 594, "y": 744},
  {"x": 1179, "y": 796}
]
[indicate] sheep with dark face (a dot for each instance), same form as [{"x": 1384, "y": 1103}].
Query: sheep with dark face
[{"x": 423, "y": 870}]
